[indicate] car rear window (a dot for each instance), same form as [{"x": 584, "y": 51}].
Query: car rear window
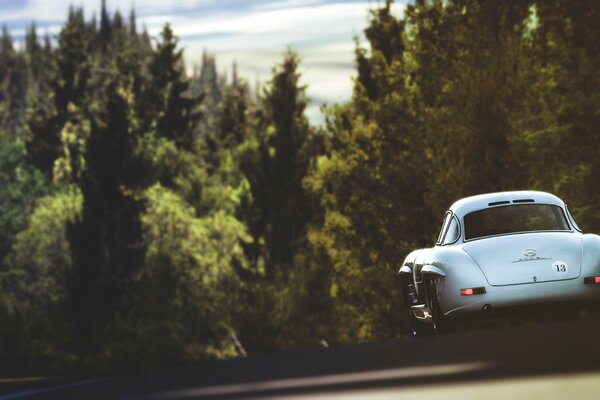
[{"x": 514, "y": 219}]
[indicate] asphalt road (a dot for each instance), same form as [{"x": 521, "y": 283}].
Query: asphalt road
[{"x": 538, "y": 361}]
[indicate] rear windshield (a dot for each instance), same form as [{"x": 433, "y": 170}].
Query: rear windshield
[{"x": 513, "y": 219}]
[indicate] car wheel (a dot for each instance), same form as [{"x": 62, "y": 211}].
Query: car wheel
[
  {"x": 440, "y": 323},
  {"x": 417, "y": 328}
]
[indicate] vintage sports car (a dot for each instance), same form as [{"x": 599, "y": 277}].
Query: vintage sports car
[{"x": 497, "y": 251}]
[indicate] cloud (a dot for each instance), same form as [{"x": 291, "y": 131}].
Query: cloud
[
  {"x": 254, "y": 33},
  {"x": 322, "y": 34}
]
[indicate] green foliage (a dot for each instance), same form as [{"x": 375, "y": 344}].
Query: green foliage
[
  {"x": 559, "y": 118},
  {"x": 377, "y": 166},
  {"x": 231, "y": 128},
  {"x": 181, "y": 301},
  {"x": 73, "y": 136},
  {"x": 275, "y": 163},
  {"x": 34, "y": 286},
  {"x": 172, "y": 167},
  {"x": 41, "y": 255},
  {"x": 21, "y": 186},
  {"x": 14, "y": 81},
  {"x": 177, "y": 111},
  {"x": 106, "y": 241}
]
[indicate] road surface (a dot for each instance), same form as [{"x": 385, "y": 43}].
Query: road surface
[{"x": 537, "y": 361}]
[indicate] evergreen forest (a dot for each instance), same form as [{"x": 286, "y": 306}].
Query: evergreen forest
[{"x": 151, "y": 218}]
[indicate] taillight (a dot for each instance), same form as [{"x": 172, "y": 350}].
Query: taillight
[
  {"x": 472, "y": 291},
  {"x": 592, "y": 280}
]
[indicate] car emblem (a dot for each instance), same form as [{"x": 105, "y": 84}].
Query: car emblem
[
  {"x": 535, "y": 278},
  {"x": 530, "y": 253}
]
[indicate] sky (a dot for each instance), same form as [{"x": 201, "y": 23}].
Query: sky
[{"x": 254, "y": 33}]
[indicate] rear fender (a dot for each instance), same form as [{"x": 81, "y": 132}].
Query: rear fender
[
  {"x": 453, "y": 270},
  {"x": 590, "y": 261}
]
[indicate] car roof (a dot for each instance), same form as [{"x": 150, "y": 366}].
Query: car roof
[{"x": 474, "y": 203}]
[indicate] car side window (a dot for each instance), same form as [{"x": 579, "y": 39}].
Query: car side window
[
  {"x": 452, "y": 233},
  {"x": 572, "y": 220},
  {"x": 444, "y": 226}
]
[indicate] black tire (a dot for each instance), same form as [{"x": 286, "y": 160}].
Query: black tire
[
  {"x": 417, "y": 329},
  {"x": 440, "y": 323}
]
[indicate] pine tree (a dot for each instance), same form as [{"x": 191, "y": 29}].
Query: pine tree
[
  {"x": 132, "y": 23},
  {"x": 69, "y": 87},
  {"x": 13, "y": 80},
  {"x": 33, "y": 50},
  {"x": 276, "y": 170},
  {"x": 208, "y": 84},
  {"x": 106, "y": 242},
  {"x": 231, "y": 126},
  {"x": 106, "y": 30},
  {"x": 176, "y": 110}
]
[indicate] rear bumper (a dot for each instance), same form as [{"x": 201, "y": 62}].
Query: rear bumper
[{"x": 572, "y": 291}]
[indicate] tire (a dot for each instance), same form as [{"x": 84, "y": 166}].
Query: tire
[
  {"x": 417, "y": 329},
  {"x": 440, "y": 323}
]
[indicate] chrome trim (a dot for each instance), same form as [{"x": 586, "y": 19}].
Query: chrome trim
[
  {"x": 571, "y": 220},
  {"x": 538, "y": 282},
  {"x": 430, "y": 269},
  {"x": 444, "y": 228},
  {"x": 421, "y": 311},
  {"x": 459, "y": 231},
  {"x": 404, "y": 270}
]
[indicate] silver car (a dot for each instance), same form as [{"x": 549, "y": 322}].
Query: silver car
[{"x": 496, "y": 251}]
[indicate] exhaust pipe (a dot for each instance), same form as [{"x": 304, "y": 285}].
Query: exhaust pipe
[{"x": 487, "y": 308}]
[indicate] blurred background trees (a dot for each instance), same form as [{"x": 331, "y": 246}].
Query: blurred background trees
[{"x": 150, "y": 216}]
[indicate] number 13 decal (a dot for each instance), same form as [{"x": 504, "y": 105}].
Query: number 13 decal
[{"x": 560, "y": 267}]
